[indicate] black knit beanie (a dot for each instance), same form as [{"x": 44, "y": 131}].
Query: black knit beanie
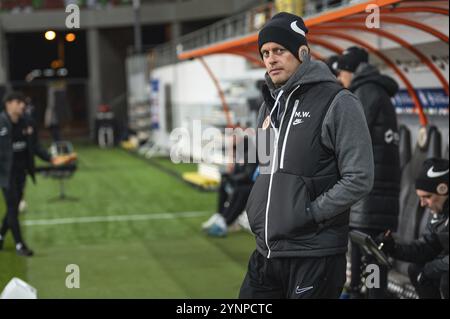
[
  {"x": 351, "y": 58},
  {"x": 285, "y": 29},
  {"x": 433, "y": 177}
]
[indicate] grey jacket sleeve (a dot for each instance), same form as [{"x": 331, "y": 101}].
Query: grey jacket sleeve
[{"x": 345, "y": 132}]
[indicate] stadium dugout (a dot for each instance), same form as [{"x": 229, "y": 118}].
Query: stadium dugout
[{"x": 418, "y": 29}]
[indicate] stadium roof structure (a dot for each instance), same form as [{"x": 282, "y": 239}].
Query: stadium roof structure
[{"x": 404, "y": 24}]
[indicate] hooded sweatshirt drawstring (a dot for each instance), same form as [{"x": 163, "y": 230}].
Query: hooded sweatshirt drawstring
[{"x": 277, "y": 101}]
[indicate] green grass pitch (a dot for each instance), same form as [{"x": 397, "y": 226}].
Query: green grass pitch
[{"x": 167, "y": 256}]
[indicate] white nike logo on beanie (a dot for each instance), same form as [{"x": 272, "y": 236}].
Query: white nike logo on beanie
[
  {"x": 432, "y": 174},
  {"x": 295, "y": 28}
]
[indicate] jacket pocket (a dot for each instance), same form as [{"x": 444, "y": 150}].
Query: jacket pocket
[
  {"x": 288, "y": 213},
  {"x": 256, "y": 204}
]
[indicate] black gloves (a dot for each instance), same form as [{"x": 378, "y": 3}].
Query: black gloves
[{"x": 386, "y": 242}]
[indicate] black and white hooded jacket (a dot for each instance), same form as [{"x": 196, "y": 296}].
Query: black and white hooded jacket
[{"x": 320, "y": 164}]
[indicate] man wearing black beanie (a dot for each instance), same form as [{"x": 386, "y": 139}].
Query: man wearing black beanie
[
  {"x": 428, "y": 254},
  {"x": 320, "y": 163},
  {"x": 432, "y": 184},
  {"x": 348, "y": 63}
]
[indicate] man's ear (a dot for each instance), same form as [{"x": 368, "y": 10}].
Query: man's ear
[{"x": 302, "y": 52}]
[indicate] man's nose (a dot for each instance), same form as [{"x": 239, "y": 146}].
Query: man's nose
[{"x": 272, "y": 59}]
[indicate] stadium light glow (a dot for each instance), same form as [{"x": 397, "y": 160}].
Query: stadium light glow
[
  {"x": 50, "y": 35},
  {"x": 70, "y": 37}
]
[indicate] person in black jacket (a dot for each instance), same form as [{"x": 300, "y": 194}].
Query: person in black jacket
[
  {"x": 429, "y": 254},
  {"x": 379, "y": 210},
  {"x": 315, "y": 162},
  {"x": 233, "y": 190},
  {"x": 18, "y": 146}
]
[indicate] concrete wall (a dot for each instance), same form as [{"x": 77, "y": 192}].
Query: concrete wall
[
  {"x": 113, "y": 47},
  {"x": 123, "y": 16},
  {"x": 107, "y": 77},
  {"x": 94, "y": 58}
]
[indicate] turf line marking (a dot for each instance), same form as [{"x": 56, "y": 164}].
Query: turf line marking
[{"x": 113, "y": 218}]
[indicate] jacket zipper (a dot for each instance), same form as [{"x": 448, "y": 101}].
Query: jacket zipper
[
  {"x": 275, "y": 155},
  {"x": 274, "y": 107}
]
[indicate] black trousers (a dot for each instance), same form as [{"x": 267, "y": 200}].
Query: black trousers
[
  {"x": 13, "y": 195},
  {"x": 435, "y": 288},
  {"x": 230, "y": 206},
  {"x": 294, "y": 278},
  {"x": 222, "y": 195},
  {"x": 357, "y": 270}
]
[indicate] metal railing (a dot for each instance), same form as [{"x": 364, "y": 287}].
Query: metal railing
[{"x": 235, "y": 26}]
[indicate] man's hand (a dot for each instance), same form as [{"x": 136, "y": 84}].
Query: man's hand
[{"x": 386, "y": 242}]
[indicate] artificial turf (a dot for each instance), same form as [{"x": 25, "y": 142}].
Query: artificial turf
[{"x": 156, "y": 256}]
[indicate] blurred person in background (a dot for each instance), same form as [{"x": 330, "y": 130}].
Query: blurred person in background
[
  {"x": 18, "y": 145},
  {"x": 378, "y": 210},
  {"x": 233, "y": 191}
]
